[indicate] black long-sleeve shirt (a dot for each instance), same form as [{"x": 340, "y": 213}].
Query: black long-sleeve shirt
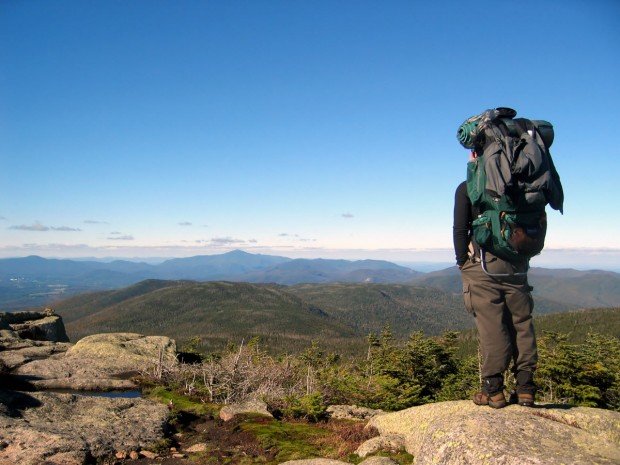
[{"x": 461, "y": 227}]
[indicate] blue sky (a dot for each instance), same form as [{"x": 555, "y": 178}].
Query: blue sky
[{"x": 300, "y": 128}]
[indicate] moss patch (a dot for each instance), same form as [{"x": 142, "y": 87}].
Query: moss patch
[
  {"x": 286, "y": 440},
  {"x": 256, "y": 439},
  {"x": 182, "y": 403}
]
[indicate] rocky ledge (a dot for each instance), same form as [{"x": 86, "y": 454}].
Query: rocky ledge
[
  {"x": 36, "y": 326},
  {"x": 67, "y": 429},
  {"x": 461, "y": 433},
  {"x": 100, "y": 362},
  {"x": 63, "y": 428}
]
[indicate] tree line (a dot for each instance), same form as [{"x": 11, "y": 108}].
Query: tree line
[{"x": 391, "y": 375}]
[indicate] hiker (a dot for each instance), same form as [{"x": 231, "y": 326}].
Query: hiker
[
  {"x": 493, "y": 244},
  {"x": 502, "y": 309}
]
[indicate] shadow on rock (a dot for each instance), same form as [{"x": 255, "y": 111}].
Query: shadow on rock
[
  {"x": 554, "y": 406},
  {"x": 20, "y": 382},
  {"x": 12, "y": 403}
]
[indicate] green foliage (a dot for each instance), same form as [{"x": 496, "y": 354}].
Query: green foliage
[
  {"x": 160, "y": 446},
  {"x": 193, "y": 345},
  {"x": 180, "y": 402},
  {"x": 463, "y": 383},
  {"x": 395, "y": 375},
  {"x": 391, "y": 375},
  {"x": 310, "y": 407},
  {"x": 585, "y": 374}
]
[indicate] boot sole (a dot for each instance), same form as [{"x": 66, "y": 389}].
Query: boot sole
[
  {"x": 526, "y": 404},
  {"x": 478, "y": 400}
]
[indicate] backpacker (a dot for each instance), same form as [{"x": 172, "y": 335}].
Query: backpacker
[{"x": 510, "y": 182}]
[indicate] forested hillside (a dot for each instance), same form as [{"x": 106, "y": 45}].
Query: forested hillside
[
  {"x": 217, "y": 312},
  {"x": 405, "y": 308},
  {"x": 337, "y": 315}
]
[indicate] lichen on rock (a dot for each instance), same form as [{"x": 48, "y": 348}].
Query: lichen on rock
[
  {"x": 462, "y": 433},
  {"x": 228, "y": 412},
  {"x": 68, "y": 429},
  {"x": 100, "y": 362}
]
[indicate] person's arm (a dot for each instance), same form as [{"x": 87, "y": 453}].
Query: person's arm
[{"x": 461, "y": 226}]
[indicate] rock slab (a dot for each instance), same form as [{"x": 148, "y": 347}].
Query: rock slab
[
  {"x": 37, "y": 326},
  {"x": 100, "y": 362},
  {"x": 352, "y": 412},
  {"x": 229, "y": 412},
  {"x": 461, "y": 433},
  {"x": 67, "y": 429}
]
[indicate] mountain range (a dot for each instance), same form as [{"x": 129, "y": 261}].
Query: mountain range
[{"x": 35, "y": 281}]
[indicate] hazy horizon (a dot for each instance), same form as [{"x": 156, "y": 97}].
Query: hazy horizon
[{"x": 420, "y": 260}]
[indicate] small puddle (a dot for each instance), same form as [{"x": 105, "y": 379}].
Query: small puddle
[{"x": 134, "y": 394}]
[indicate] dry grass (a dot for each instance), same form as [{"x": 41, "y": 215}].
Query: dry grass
[{"x": 345, "y": 437}]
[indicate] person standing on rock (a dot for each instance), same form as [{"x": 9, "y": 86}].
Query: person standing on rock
[{"x": 497, "y": 294}]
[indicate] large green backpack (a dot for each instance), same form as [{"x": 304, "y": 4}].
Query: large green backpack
[{"x": 510, "y": 182}]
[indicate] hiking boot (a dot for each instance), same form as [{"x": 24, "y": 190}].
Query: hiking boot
[
  {"x": 525, "y": 399},
  {"x": 496, "y": 400}
]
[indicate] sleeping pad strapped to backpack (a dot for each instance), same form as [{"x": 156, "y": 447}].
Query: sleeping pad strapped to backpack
[{"x": 510, "y": 182}]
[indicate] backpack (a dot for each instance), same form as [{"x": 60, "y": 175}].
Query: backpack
[{"x": 510, "y": 182}]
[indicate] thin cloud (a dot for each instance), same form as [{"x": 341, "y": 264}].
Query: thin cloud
[
  {"x": 252, "y": 241},
  {"x": 121, "y": 238},
  {"x": 95, "y": 222},
  {"x": 64, "y": 228},
  {"x": 184, "y": 223},
  {"x": 51, "y": 246},
  {"x": 2, "y": 218},
  {"x": 36, "y": 226},
  {"x": 347, "y": 215},
  {"x": 30, "y": 227},
  {"x": 115, "y": 233},
  {"x": 226, "y": 241},
  {"x": 283, "y": 234}
]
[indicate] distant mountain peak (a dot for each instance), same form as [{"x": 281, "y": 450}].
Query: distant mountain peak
[{"x": 237, "y": 252}]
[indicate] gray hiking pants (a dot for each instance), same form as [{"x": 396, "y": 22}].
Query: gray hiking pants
[{"x": 502, "y": 310}]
